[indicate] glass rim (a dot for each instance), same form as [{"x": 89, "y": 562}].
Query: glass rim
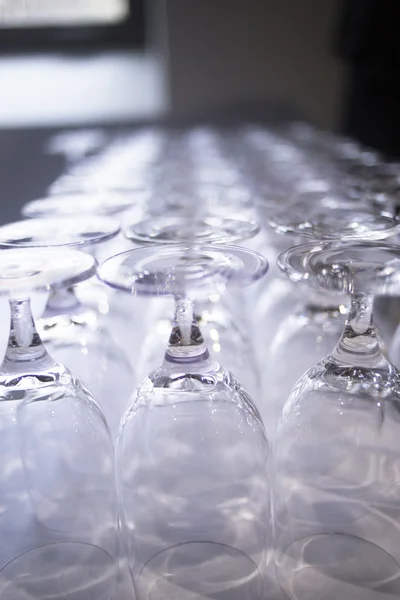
[{"x": 86, "y": 230}]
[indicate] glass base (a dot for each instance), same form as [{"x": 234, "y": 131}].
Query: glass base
[
  {"x": 367, "y": 267},
  {"x": 333, "y": 222},
  {"x": 190, "y": 230},
  {"x": 199, "y": 570},
  {"x": 333, "y": 566},
  {"x": 173, "y": 270},
  {"x": 60, "y": 571},
  {"x": 27, "y": 269},
  {"x": 56, "y": 232}
]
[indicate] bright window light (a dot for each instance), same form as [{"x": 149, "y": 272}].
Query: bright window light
[{"x": 59, "y": 13}]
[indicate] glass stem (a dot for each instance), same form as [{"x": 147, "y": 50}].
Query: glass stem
[
  {"x": 186, "y": 343},
  {"x": 24, "y": 343},
  {"x": 359, "y": 344}
]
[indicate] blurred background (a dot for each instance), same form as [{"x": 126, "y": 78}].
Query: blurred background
[{"x": 70, "y": 64}]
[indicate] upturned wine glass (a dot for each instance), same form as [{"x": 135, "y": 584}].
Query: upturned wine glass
[
  {"x": 120, "y": 206},
  {"x": 78, "y": 333},
  {"x": 110, "y": 204},
  {"x": 192, "y": 450},
  {"x": 122, "y": 166},
  {"x": 314, "y": 325},
  {"x": 336, "y": 459},
  {"x": 225, "y": 335},
  {"x": 58, "y": 506}
]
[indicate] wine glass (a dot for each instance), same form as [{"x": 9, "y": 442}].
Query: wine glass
[
  {"x": 110, "y": 204},
  {"x": 336, "y": 487},
  {"x": 192, "y": 450},
  {"x": 58, "y": 518},
  {"x": 122, "y": 166},
  {"x": 223, "y": 333},
  {"x": 313, "y": 327},
  {"x": 204, "y": 227},
  {"x": 121, "y": 206},
  {"x": 77, "y": 333}
]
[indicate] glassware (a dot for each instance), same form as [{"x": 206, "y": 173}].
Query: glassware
[
  {"x": 336, "y": 487},
  {"x": 122, "y": 166},
  {"x": 192, "y": 451},
  {"x": 110, "y": 204},
  {"x": 121, "y": 206},
  {"x": 183, "y": 229},
  {"x": 78, "y": 334},
  {"x": 321, "y": 217},
  {"x": 58, "y": 518},
  {"x": 314, "y": 324},
  {"x": 225, "y": 335}
]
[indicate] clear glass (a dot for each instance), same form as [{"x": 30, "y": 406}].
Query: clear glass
[
  {"x": 304, "y": 335},
  {"x": 58, "y": 522},
  {"x": 324, "y": 218},
  {"x": 76, "y": 232},
  {"x": 123, "y": 165},
  {"x": 96, "y": 180},
  {"x": 182, "y": 229},
  {"x": 70, "y": 205},
  {"x": 336, "y": 493},
  {"x": 227, "y": 339},
  {"x": 80, "y": 334},
  {"x": 309, "y": 329},
  {"x": 123, "y": 207},
  {"x": 227, "y": 342},
  {"x": 192, "y": 450}
]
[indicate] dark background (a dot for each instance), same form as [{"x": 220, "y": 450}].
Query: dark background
[{"x": 184, "y": 61}]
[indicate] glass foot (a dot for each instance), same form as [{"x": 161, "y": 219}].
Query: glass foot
[
  {"x": 70, "y": 205},
  {"x": 37, "y": 268},
  {"x": 60, "y": 571},
  {"x": 185, "y": 230},
  {"x": 369, "y": 267},
  {"x": 199, "y": 570},
  {"x": 173, "y": 270},
  {"x": 333, "y": 566},
  {"x": 62, "y": 231},
  {"x": 311, "y": 219}
]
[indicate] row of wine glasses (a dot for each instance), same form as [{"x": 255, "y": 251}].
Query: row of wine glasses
[
  {"x": 218, "y": 559},
  {"x": 335, "y": 458},
  {"x": 185, "y": 502},
  {"x": 66, "y": 451}
]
